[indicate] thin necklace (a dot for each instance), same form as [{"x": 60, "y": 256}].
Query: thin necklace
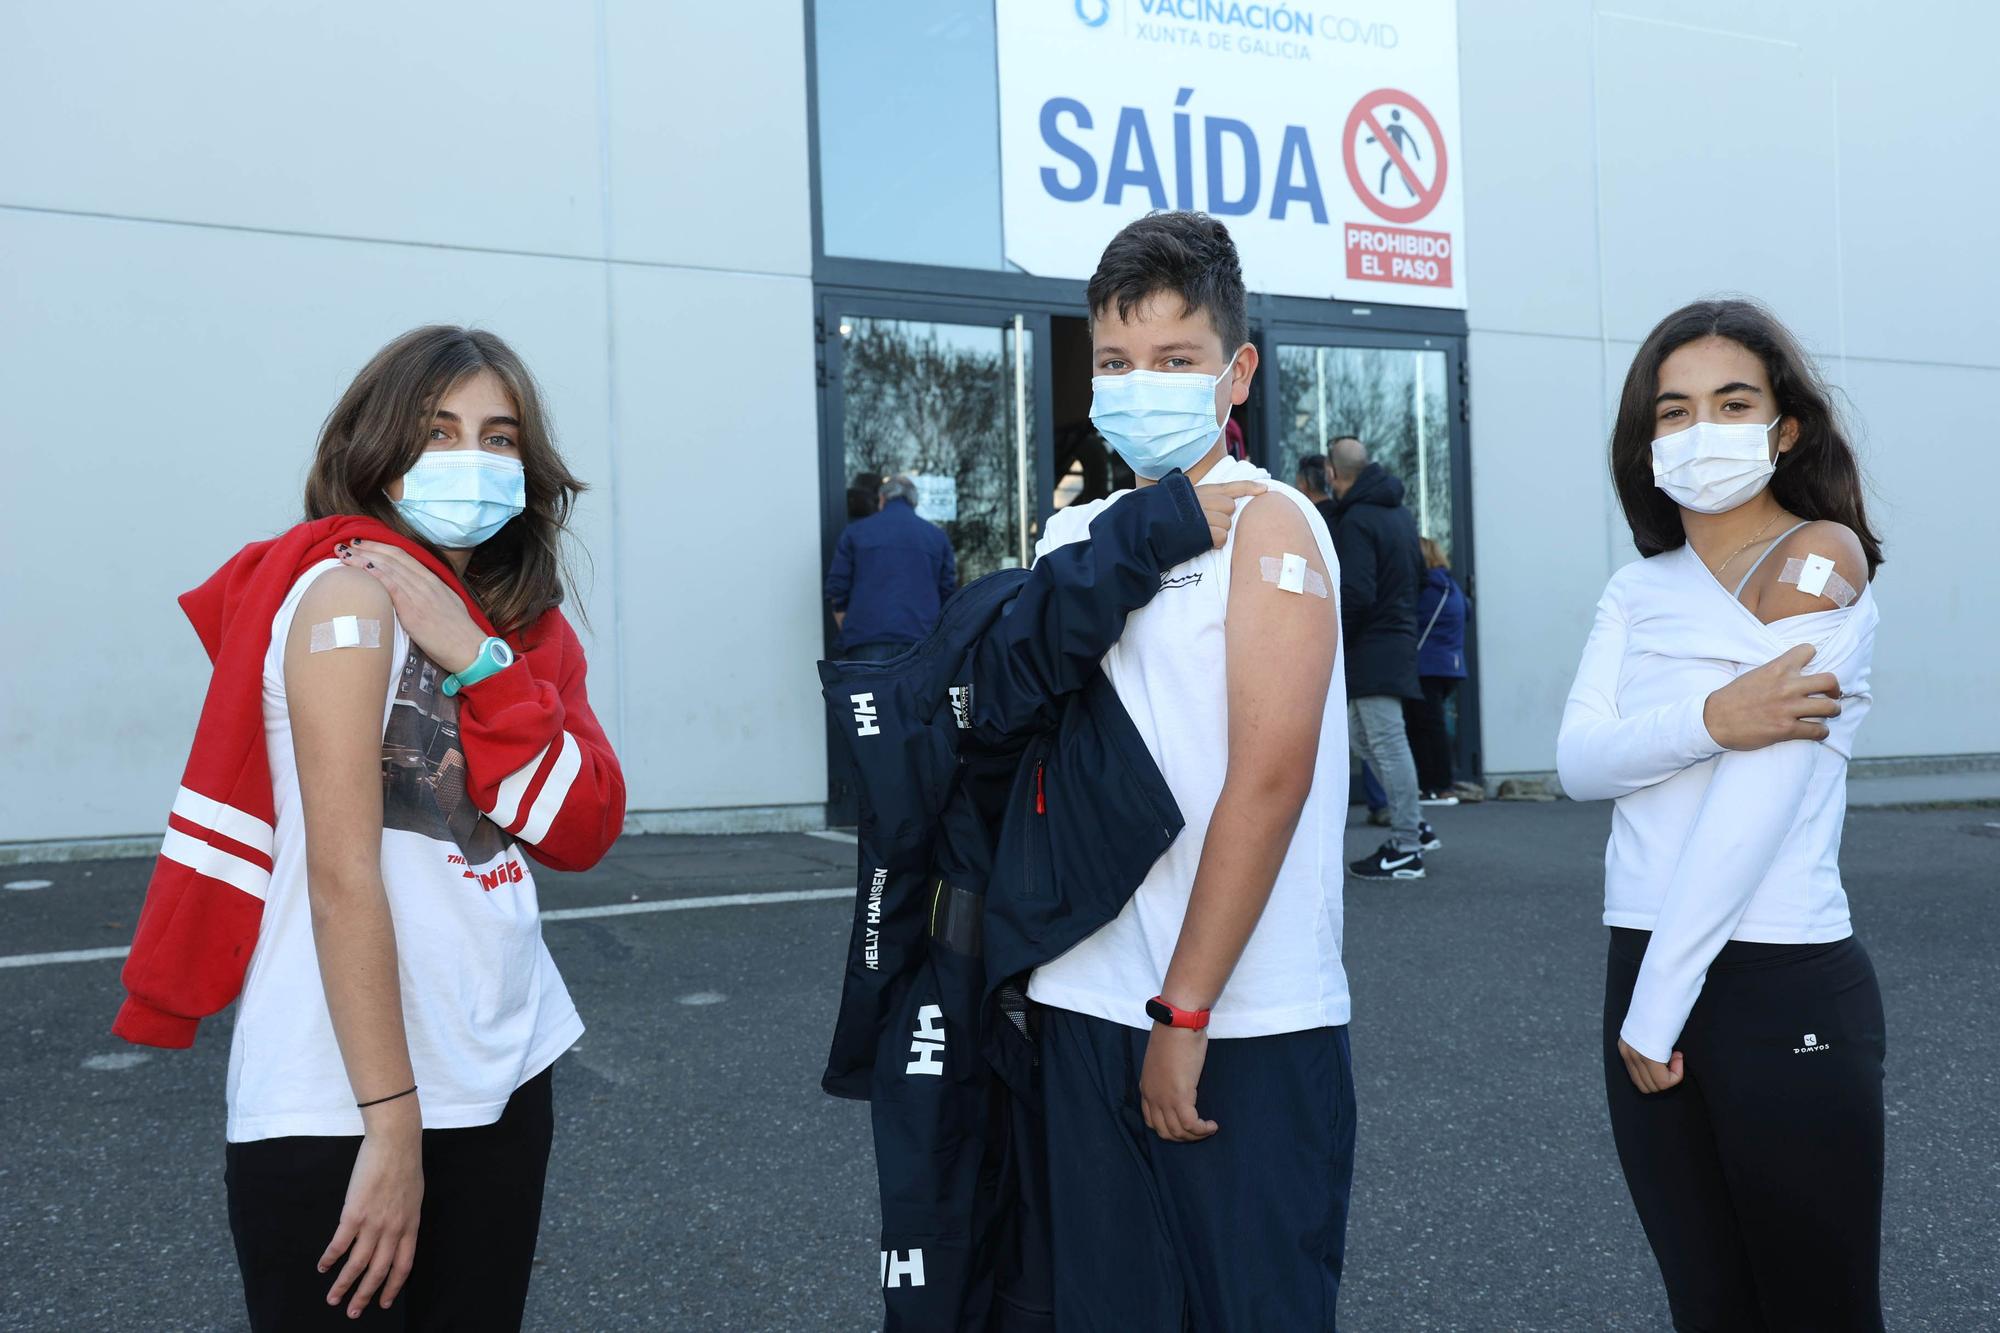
[{"x": 1747, "y": 545}]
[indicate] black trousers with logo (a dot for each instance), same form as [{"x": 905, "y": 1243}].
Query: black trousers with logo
[
  {"x": 475, "y": 1243},
  {"x": 1758, "y": 1178}
]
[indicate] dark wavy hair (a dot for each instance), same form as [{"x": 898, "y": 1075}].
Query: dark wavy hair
[
  {"x": 1818, "y": 478},
  {"x": 377, "y": 432},
  {"x": 1187, "y": 254}
]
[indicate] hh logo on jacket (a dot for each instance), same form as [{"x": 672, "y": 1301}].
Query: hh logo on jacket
[
  {"x": 865, "y": 721},
  {"x": 927, "y": 1045},
  {"x": 903, "y": 1269}
]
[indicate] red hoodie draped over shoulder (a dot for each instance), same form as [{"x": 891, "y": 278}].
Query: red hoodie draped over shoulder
[{"x": 538, "y": 765}]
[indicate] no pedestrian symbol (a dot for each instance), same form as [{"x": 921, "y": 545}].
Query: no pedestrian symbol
[
  {"x": 1398, "y": 173},
  {"x": 1397, "y": 164}
]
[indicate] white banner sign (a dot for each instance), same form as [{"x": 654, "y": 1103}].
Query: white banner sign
[{"x": 1325, "y": 138}]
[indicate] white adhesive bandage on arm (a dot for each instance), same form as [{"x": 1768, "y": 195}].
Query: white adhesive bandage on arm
[
  {"x": 345, "y": 632},
  {"x": 1292, "y": 574},
  {"x": 1815, "y": 577}
]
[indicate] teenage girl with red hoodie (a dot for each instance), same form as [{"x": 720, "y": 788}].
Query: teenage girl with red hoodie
[{"x": 397, "y": 714}]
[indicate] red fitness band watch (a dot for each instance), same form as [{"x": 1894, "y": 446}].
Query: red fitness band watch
[{"x": 1160, "y": 1011}]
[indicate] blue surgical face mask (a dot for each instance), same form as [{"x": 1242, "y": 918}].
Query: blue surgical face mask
[
  {"x": 457, "y": 498},
  {"x": 1157, "y": 420}
]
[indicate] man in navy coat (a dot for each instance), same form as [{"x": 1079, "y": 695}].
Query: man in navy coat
[{"x": 891, "y": 572}]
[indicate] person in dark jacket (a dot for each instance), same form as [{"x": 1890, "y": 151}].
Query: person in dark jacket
[
  {"x": 891, "y": 572},
  {"x": 1381, "y": 571},
  {"x": 1440, "y": 666}
]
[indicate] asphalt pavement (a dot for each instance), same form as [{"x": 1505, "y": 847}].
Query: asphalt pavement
[{"x": 701, "y": 1181}]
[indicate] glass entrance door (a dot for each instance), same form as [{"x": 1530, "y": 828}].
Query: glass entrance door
[
  {"x": 948, "y": 395},
  {"x": 951, "y": 406},
  {"x": 1395, "y": 400},
  {"x": 1403, "y": 397}
]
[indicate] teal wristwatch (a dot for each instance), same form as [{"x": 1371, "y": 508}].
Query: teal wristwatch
[{"x": 494, "y": 656}]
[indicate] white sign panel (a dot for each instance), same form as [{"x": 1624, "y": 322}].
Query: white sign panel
[
  {"x": 1325, "y": 138},
  {"x": 937, "y": 497}
]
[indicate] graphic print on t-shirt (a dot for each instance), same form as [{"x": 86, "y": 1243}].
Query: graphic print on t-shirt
[{"x": 423, "y": 767}]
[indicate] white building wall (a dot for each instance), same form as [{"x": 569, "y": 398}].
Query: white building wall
[
  {"x": 210, "y": 217},
  {"x": 1625, "y": 158}
]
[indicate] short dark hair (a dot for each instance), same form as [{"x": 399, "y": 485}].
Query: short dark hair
[
  {"x": 1818, "y": 478},
  {"x": 1312, "y": 465},
  {"x": 1187, "y": 254}
]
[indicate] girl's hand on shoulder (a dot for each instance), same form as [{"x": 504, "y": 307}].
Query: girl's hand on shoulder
[
  {"x": 1774, "y": 702},
  {"x": 431, "y": 613}
]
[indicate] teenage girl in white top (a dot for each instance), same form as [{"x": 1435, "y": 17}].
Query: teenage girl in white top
[
  {"x": 390, "y": 1111},
  {"x": 1717, "y": 703}
]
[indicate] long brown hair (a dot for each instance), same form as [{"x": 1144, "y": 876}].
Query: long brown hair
[
  {"x": 1817, "y": 478},
  {"x": 377, "y": 432}
]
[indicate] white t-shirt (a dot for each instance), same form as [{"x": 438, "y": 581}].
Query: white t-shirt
[
  {"x": 483, "y": 1005},
  {"x": 1170, "y": 670},
  {"x": 1708, "y": 846}
]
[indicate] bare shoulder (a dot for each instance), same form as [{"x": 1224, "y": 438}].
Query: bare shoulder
[
  {"x": 1835, "y": 541},
  {"x": 340, "y": 594},
  {"x": 1825, "y": 539},
  {"x": 344, "y": 592},
  {"x": 1272, "y": 522}
]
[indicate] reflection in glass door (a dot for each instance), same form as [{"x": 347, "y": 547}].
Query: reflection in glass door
[
  {"x": 952, "y": 407},
  {"x": 1395, "y": 400},
  {"x": 1397, "y": 395}
]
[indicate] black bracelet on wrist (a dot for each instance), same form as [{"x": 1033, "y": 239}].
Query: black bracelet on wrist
[{"x": 390, "y": 1098}]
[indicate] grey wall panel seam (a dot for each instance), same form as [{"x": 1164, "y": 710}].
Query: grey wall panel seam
[{"x": 345, "y": 238}]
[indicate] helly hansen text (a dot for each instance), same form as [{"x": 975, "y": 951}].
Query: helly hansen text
[{"x": 871, "y": 941}]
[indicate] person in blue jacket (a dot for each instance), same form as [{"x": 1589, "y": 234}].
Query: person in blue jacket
[
  {"x": 891, "y": 572},
  {"x": 1440, "y": 667}
]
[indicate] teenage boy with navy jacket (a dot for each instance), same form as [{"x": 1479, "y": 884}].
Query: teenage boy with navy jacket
[{"x": 1200, "y": 1107}]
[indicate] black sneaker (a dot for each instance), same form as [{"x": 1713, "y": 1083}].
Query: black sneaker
[
  {"x": 1388, "y": 863},
  {"x": 1427, "y": 837}
]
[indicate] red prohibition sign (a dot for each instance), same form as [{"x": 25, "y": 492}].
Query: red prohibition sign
[{"x": 1364, "y": 115}]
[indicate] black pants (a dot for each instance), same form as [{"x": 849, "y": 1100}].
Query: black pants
[
  {"x": 1430, "y": 741},
  {"x": 1242, "y": 1232},
  {"x": 1759, "y": 1177},
  {"x": 475, "y": 1243}
]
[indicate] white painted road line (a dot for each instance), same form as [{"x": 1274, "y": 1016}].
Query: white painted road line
[
  {"x": 61, "y": 956},
  {"x": 688, "y": 904},
  {"x": 560, "y": 914},
  {"x": 834, "y": 835}
]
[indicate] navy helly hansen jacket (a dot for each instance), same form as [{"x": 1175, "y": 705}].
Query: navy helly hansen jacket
[{"x": 1009, "y": 808}]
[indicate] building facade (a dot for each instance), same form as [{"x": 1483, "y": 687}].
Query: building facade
[{"x": 753, "y": 249}]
